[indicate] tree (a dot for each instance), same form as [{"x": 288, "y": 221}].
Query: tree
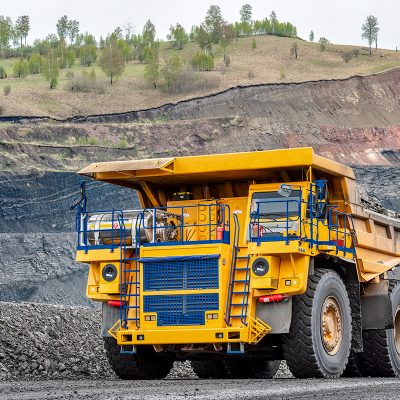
[
  {"x": 203, "y": 38},
  {"x": 6, "y": 31},
  {"x": 171, "y": 70},
  {"x": 311, "y": 37},
  {"x": 149, "y": 33},
  {"x": 51, "y": 69},
  {"x": 87, "y": 54},
  {"x": 245, "y": 17},
  {"x": 152, "y": 70},
  {"x": 214, "y": 23},
  {"x": 73, "y": 30},
  {"x": 370, "y": 31},
  {"x": 273, "y": 21},
  {"x": 323, "y": 42},
  {"x": 227, "y": 37},
  {"x": 22, "y": 27},
  {"x": 62, "y": 27},
  {"x": 294, "y": 50},
  {"x": 178, "y": 34},
  {"x": 111, "y": 60},
  {"x": 62, "y": 31}
]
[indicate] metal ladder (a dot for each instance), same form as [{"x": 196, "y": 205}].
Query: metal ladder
[
  {"x": 130, "y": 277},
  {"x": 239, "y": 285}
]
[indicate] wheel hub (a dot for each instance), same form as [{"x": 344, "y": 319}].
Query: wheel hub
[{"x": 331, "y": 325}]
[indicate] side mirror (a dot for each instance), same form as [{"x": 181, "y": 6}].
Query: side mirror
[
  {"x": 321, "y": 190},
  {"x": 284, "y": 190}
]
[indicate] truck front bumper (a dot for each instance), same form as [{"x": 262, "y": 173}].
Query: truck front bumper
[{"x": 182, "y": 336}]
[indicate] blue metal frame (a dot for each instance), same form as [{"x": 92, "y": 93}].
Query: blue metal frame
[
  {"x": 314, "y": 221},
  {"x": 255, "y": 220},
  {"x": 83, "y": 230}
]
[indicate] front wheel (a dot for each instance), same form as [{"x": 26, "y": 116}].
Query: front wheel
[
  {"x": 209, "y": 369},
  {"x": 145, "y": 364},
  {"x": 251, "y": 368},
  {"x": 319, "y": 341}
]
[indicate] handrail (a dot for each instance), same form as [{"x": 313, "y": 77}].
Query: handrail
[
  {"x": 255, "y": 218},
  {"x": 179, "y": 213},
  {"x": 236, "y": 232}
]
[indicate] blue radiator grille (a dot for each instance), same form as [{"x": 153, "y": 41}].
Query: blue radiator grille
[
  {"x": 185, "y": 309},
  {"x": 187, "y": 273}
]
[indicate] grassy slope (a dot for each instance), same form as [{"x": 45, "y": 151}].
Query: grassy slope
[{"x": 270, "y": 62}]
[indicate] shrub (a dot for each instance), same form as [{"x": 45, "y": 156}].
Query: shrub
[
  {"x": 254, "y": 44},
  {"x": 92, "y": 75},
  {"x": 36, "y": 64},
  {"x": 227, "y": 61},
  {"x": 202, "y": 62},
  {"x": 189, "y": 81},
  {"x": 7, "y": 90},
  {"x": 323, "y": 42},
  {"x": 20, "y": 69},
  {"x": 123, "y": 144},
  {"x": 355, "y": 52},
  {"x": 93, "y": 141},
  {"x": 347, "y": 56},
  {"x": 283, "y": 73},
  {"x": 2, "y": 110},
  {"x": 171, "y": 70},
  {"x": 86, "y": 83},
  {"x": 3, "y": 73}
]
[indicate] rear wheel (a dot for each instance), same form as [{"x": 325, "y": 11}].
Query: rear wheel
[
  {"x": 251, "y": 368},
  {"x": 145, "y": 364},
  {"x": 381, "y": 354},
  {"x": 209, "y": 369},
  {"x": 318, "y": 344}
]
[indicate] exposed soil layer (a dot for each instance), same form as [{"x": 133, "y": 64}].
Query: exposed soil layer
[{"x": 354, "y": 121}]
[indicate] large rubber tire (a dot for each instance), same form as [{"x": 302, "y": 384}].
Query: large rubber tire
[
  {"x": 380, "y": 357},
  {"x": 209, "y": 369},
  {"x": 251, "y": 368},
  {"x": 145, "y": 364},
  {"x": 303, "y": 347},
  {"x": 353, "y": 366}
]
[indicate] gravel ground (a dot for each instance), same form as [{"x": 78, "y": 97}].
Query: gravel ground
[
  {"x": 349, "y": 389},
  {"x": 42, "y": 342}
]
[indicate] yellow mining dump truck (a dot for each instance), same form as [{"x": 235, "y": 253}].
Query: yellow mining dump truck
[{"x": 237, "y": 261}]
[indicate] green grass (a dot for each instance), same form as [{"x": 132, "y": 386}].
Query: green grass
[{"x": 32, "y": 95}]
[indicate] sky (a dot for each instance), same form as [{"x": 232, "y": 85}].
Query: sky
[{"x": 338, "y": 20}]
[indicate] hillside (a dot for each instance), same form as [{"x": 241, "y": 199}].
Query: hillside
[{"x": 270, "y": 62}]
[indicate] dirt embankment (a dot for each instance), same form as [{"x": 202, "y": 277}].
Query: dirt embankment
[{"x": 355, "y": 121}]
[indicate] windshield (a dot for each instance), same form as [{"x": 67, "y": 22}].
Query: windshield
[{"x": 273, "y": 205}]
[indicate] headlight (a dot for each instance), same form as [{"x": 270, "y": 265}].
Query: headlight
[
  {"x": 109, "y": 272},
  {"x": 260, "y": 266}
]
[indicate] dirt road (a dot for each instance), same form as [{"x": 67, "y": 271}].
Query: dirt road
[{"x": 349, "y": 389}]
